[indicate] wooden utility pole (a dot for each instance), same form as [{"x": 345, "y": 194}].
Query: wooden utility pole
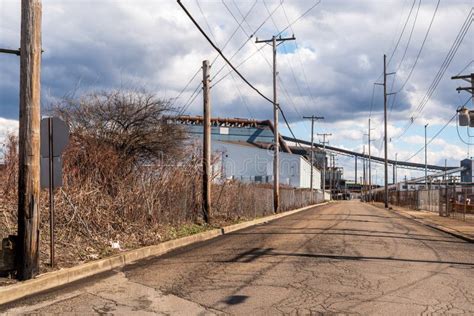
[
  {"x": 29, "y": 140},
  {"x": 312, "y": 117},
  {"x": 276, "y": 159},
  {"x": 324, "y": 142},
  {"x": 206, "y": 147}
]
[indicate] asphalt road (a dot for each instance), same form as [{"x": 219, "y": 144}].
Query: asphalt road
[{"x": 344, "y": 257}]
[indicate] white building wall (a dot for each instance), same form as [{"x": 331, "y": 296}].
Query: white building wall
[
  {"x": 247, "y": 163},
  {"x": 305, "y": 175}
]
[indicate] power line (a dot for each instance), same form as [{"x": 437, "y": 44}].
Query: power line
[
  {"x": 401, "y": 33},
  {"x": 442, "y": 128},
  {"x": 259, "y": 50},
  {"x": 291, "y": 68},
  {"x": 432, "y": 138},
  {"x": 191, "y": 99},
  {"x": 470, "y": 63},
  {"x": 372, "y": 100},
  {"x": 301, "y": 16},
  {"x": 225, "y": 44},
  {"x": 186, "y": 86},
  {"x": 220, "y": 52},
  {"x": 444, "y": 66},
  {"x": 403, "y": 58},
  {"x": 421, "y": 48},
  {"x": 299, "y": 57},
  {"x": 231, "y": 65},
  {"x": 215, "y": 58},
  {"x": 249, "y": 36}
]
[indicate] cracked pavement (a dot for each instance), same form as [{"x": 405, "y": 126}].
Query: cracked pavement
[{"x": 345, "y": 257}]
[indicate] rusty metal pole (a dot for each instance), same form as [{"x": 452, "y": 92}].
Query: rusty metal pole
[
  {"x": 206, "y": 148},
  {"x": 29, "y": 140}
]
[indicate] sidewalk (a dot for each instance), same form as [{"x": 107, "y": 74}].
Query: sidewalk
[{"x": 458, "y": 228}]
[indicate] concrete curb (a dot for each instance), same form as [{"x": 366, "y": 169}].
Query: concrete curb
[
  {"x": 55, "y": 279},
  {"x": 443, "y": 229}
]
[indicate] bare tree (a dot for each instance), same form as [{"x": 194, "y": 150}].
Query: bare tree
[{"x": 130, "y": 122}]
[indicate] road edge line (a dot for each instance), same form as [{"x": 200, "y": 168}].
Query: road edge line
[{"x": 54, "y": 279}]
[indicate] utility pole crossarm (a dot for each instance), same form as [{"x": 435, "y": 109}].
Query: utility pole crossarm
[
  {"x": 462, "y": 77},
  {"x": 10, "y": 51},
  {"x": 470, "y": 79},
  {"x": 277, "y": 39}
]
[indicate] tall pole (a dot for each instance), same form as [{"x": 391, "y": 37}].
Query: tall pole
[
  {"x": 29, "y": 140},
  {"x": 324, "y": 161},
  {"x": 370, "y": 167},
  {"x": 276, "y": 159},
  {"x": 355, "y": 169},
  {"x": 395, "y": 166},
  {"x": 313, "y": 118},
  {"x": 333, "y": 173},
  {"x": 363, "y": 171},
  {"x": 206, "y": 161},
  {"x": 312, "y": 155},
  {"x": 385, "y": 128},
  {"x": 426, "y": 159}
]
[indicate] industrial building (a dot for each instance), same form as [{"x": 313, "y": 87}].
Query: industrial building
[
  {"x": 248, "y": 163},
  {"x": 243, "y": 150}
]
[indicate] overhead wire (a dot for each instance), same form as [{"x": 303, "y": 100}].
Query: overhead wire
[
  {"x": 432, "y": 138},
  {"x": 249, "y": 36},
  {"x": 470, "y": 63},
  {"x": 232, "y": 66},
  {"x": 444, "y": 66},
  {"x": 221, "y": 53},
  {"x": 225, "y": 44},
  {"x": 421, "y": 48},
  {"x": 187, "y": 104},
  {"x": 439, "y": 132},
  {"x": 292, "y": 23},
  {"x": 403, "y": 57},
  {"x": 291, "y": 69},
  {"x": 298, "y": 56}
]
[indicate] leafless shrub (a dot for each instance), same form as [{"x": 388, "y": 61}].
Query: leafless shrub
[{"x": 130, "y": 122}]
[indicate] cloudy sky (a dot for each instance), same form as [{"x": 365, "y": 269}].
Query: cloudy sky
[{"x": 328, "y": 71}]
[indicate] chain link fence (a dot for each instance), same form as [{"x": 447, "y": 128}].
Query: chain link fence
[{"x": 455, "y": 201}]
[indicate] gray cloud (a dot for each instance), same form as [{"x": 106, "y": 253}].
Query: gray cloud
[{"x": 101, "y": 45}]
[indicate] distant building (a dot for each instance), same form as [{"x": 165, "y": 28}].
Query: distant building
[
  {"x": 243, "y": 149},
  {"x": 248, "y": 163}
]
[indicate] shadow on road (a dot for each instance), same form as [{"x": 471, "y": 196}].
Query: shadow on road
[
  {"x": 236, "y": 299},
  {"x": 257, "y": 252}
]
